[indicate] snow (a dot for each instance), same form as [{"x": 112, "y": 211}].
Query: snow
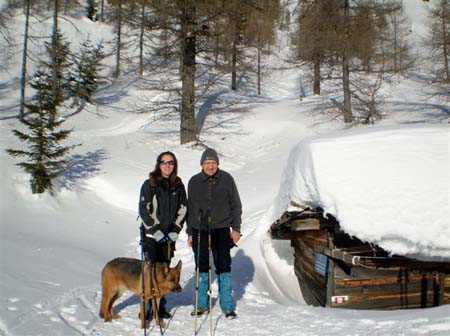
[
  {"x": 52, "y": 248},
  {"x": 385, "y": 185}
]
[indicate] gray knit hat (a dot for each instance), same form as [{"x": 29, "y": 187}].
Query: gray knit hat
[{"x": 209, "y": 154}]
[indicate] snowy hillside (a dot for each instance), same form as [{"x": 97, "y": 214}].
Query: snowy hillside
[{"x": 52, "y": 249}]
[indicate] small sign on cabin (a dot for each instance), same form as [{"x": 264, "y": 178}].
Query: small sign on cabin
[
  {"x": 321, "y": 264},
  {"x": 339, "y": 299}
]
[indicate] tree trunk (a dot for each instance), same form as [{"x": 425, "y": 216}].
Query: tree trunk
[
  {"x": 396, "y": 52},
  {"x": 55, "y": 70},
  {"x": 24, "y": 60},
  {"x": 187, "y": 126},
  {"x": 347, "y": 108},
  {"x": 216, "y": 51},
  {"x": 316, "y": 57},
  {"x": 259, "y": 51},
  {"x": 234, "y": 44},
  {"x": 119, "y": 36},
  {"x": 141, "y": 40},
  {"x": 445, "y": 39},
  {"x": 316, "y": 84},
  {"x": 233, "y": 63},
  {"x": 259, "y": 71},
  {"x": 102, "y": 11}
]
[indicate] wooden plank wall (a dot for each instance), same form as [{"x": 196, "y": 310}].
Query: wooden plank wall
[
  {"x": 362, "y": 287},
  {"x": 446, "y": 296},
  {"x": 380, "y": 289},
  {"x": 312, "y": 284}
]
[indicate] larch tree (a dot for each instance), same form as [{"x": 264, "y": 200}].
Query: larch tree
[
  {"x": 438, "y": 46},
  {"x": 190, "y": 23},
  {"x": 117, "y": 18},
  {"x": 262, "y": 19},
  {"x": 316, "y": 38},
  {"x": 349, "y": 38},
  {"x": 395, "y": 42}
]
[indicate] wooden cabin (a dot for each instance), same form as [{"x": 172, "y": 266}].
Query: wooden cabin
[{"x": 336, "y": 270}]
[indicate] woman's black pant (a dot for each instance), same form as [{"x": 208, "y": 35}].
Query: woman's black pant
[{"x": 159, "y": 253}]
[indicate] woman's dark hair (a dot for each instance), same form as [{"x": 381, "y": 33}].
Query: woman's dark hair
[{"x": 156, "y": 175}]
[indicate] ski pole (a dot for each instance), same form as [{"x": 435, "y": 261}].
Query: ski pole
[
  {"x": 197, "y": 280},
  {"x": 143, "y": 303},
  {"x": 210, "y": 273},
  {"x": 154, "y": 301}
]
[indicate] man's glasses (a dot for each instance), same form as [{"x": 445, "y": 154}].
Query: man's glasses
[{"x": 164, "y": 163}]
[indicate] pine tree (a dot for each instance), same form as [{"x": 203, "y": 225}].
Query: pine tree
[
  {"x": 59, "y": 47},
  {"x": 44, "y": 155},
  {"x": 91, "y": 10},
  {"x": 84, "y": 78}
]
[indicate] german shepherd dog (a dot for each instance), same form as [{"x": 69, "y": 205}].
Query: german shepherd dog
[{"x": 120, "y": 274}]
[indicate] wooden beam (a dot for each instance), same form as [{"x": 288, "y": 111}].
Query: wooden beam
[{"x": 305, "y": 224}]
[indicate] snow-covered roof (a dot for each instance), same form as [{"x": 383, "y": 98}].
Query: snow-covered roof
[{"x": 385, "y": 185}]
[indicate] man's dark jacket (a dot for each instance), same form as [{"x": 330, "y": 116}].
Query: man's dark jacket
[{"x": 216, "y": 197}]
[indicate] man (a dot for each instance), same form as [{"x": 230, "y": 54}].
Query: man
[{"x": 214, "y": 210}]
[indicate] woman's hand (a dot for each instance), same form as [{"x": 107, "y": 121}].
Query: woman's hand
[{"x": 189, "y": 240}]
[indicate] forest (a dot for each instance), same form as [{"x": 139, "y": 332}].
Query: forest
[{"x": 184, "y": 48}]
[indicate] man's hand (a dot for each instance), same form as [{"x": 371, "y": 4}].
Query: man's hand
[
  {"x": 173, "y": 236},
  {"x": 235, "y": 236},
  {"x": 189, "y": 240}
]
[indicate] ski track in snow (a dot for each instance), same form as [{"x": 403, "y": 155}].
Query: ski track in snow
[
  {"x": 80, "y": 316},
  {"x": 129, "y": 124}
]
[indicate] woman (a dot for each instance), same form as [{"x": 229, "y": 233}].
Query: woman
[{"x": 162, "y": 207}]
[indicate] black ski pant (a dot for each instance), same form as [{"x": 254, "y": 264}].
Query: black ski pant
[{"x": 221, "y": 244}]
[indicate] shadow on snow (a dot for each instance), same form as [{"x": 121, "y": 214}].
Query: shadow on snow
[{"x": 80, "y": 167}]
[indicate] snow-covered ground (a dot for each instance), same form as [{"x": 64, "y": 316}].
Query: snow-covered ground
[{"x": 52, "y": 249}]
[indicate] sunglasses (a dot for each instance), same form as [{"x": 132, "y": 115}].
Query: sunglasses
[{"x": 164, "y": 163}]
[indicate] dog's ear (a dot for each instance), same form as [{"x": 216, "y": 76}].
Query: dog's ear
[{"x": 178, "y": 267}]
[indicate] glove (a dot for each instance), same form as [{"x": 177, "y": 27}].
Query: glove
[
  {"x": 173, "y": 236},
  {"x": 158, "y": 236}
]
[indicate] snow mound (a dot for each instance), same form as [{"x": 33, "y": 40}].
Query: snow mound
[{"x": 385, "y": 185}]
